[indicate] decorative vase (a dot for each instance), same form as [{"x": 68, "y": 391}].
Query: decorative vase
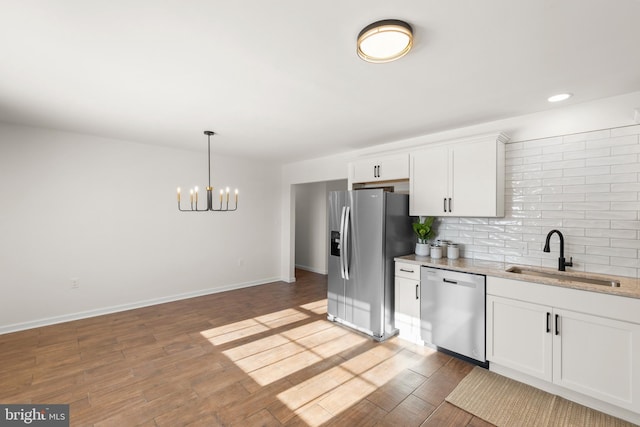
[{"x": 422, "y": 249}]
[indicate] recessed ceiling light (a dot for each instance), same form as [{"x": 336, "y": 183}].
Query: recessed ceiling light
[
  {"x": 385, "y": 41},
  {"x": 559, "y": 97}
]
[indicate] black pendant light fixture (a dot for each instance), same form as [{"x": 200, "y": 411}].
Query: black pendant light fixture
[{"x": 222, "y": 205}]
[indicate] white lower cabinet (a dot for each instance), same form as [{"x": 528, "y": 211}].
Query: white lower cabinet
[
  {"x": 594, "y": 355},
  {"x": 407, "y": 301},
  {"x": 568, "y": 338},
  {"x": 518, "y": 337}
]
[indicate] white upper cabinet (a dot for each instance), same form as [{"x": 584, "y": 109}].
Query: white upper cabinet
[
  {"x": 387, "y": 168},
  {"x": 463, "y": 178}
]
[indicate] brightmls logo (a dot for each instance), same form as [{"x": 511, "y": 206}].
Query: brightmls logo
[{"x": 34, "y": 415}]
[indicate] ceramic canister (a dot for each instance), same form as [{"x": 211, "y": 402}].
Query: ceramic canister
[
  {"x": 436, "y": 251},
  {"x": 443, "y": 244},
  {"x": 453, "y": 252}
]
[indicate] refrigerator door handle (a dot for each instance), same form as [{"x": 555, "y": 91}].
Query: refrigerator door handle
[
  {"x": 342, "y": 242},
  {"x": 345, "y": 248}
]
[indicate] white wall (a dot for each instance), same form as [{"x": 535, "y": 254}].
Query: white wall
[
  {"x": 104, "y": 211},
  {"x": 602, "y": 114},
  {"x": 311, "y": 224}
]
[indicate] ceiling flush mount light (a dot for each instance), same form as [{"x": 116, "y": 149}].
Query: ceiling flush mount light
[
  {"x": 559, "y": 97},
  {"x": 223, "y": 206},
  {"x": 385, "y": 41}
]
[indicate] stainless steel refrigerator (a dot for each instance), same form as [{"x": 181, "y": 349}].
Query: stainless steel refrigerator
[{"x": 368, "y": 228}]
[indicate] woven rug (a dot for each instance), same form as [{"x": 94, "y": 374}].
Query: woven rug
[{"x": 505, "y": 402}]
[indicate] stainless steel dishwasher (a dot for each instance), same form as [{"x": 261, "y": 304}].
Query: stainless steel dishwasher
[{"x": 452, "y": 311}]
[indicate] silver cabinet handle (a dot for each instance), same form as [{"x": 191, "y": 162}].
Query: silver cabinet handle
[
  {"x": 449, "y": 204},
  {"x": 406, "y": 271},
  {"x": 417, "y": 291},
  {"x": 445, "y": 204}
]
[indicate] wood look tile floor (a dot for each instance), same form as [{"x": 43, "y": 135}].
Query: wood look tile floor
[{"x": 260, "y": 356}]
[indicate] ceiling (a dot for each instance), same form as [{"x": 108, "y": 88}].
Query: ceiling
[{"x": 280, "y": 80}]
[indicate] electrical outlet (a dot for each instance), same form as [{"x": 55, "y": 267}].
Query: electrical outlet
[{"x": 75, "y": 283}]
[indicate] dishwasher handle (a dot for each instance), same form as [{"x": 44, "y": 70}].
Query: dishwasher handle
[{"x": 453, "y": 282}]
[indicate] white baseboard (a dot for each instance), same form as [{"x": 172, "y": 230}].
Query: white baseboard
[
  {"x": 311, "y": 269},
  {"x": 15, "y": 327}
]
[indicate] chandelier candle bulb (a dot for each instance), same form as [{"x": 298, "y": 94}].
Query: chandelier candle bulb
[
  {"x": 196, "y": 193},
  {"x": 191, "y": 195},
  {"x": 178, "y": 194},
  {"x": 236, "y": 197}
]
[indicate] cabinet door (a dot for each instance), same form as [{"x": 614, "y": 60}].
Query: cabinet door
[
  {"x": 364, "y": 171},
  {"x": 474, "y": 185},
  {"x": 519, "y": 336},
  {"x": 407, "y": 307},
  {"x": 598, "y": 357},
  {"x": 428, "y": 181},
  {"x": 393, "y": 168},
  {"x": 389, "y": 168}
]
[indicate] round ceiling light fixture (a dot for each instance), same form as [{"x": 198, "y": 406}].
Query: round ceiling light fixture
[
  {"x": 385, "y": 41},
  {"x": 559, "y": 97}
]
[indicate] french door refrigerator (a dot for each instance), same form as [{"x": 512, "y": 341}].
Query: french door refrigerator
[{"x": 368, "y": 228}]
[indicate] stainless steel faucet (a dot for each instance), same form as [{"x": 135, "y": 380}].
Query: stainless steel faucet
[{"x": 561, "y": 261}]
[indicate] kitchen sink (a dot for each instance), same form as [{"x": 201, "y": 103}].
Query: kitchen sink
[{"x": 565, "y": 276}]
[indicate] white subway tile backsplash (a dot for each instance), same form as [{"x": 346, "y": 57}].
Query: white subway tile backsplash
[
  {"x": 573, "y": 180},
  {"x": 633, "y": 187},
  {"x": 602, "y": 170},
  {"x": 602, "y": 232},
  {"x": 611, "y": 160},
  {"x": 625, "y": 206},
  {"x": 523, "y": 153},
  {"x": 587, "y": 223},
  {"x": 611, "y": 215},
  {"x": 565, "y": 146},
  {"x": 625, "y": 243},
  {"x": 625, "y": 149},
  {"x": 613, "y": 141},
  {"x": 587, "y": 136},
  {"x": 567, "y": 164},
  {"x": 612, "y": 179},
  {"x": 522, "y": 168},
  {"x": 625, "y": 130},
  {"x": 562, "y": 197},
  {"x": 543, "y": 142},
  {"x": 542, "y": 174},
  {"x": 615, "y": 270},
  {"x": 631, "y": 167},
  {"x": 610, "y": 197},
  {"x": 563, "y": 214},
  {"x": 586, "y": 206},
  {"x": 474, "y": 220},
  {"x": 588, "y": 188},
  {"x": 586, "y": 185},
  {"x": 626, "y": 225},
  {"x": 612, "y": 252},
  {"x": 544, "y": 158},
  {"x": 551, "y": 223},
  {"x": 597, "y": 152},
  {"x": 591, "y": 259}
]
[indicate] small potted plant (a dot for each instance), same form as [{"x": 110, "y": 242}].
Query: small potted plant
[{"x": 424, "y": 232}]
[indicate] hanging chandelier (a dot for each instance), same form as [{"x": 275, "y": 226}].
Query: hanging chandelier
[{"x": 223, "y": 205}]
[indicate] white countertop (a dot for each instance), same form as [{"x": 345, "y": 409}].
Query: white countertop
[{"x": 629, "y": 287}]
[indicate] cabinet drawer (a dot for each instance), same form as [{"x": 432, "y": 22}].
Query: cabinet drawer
[{"x": 407, "y": 270}]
